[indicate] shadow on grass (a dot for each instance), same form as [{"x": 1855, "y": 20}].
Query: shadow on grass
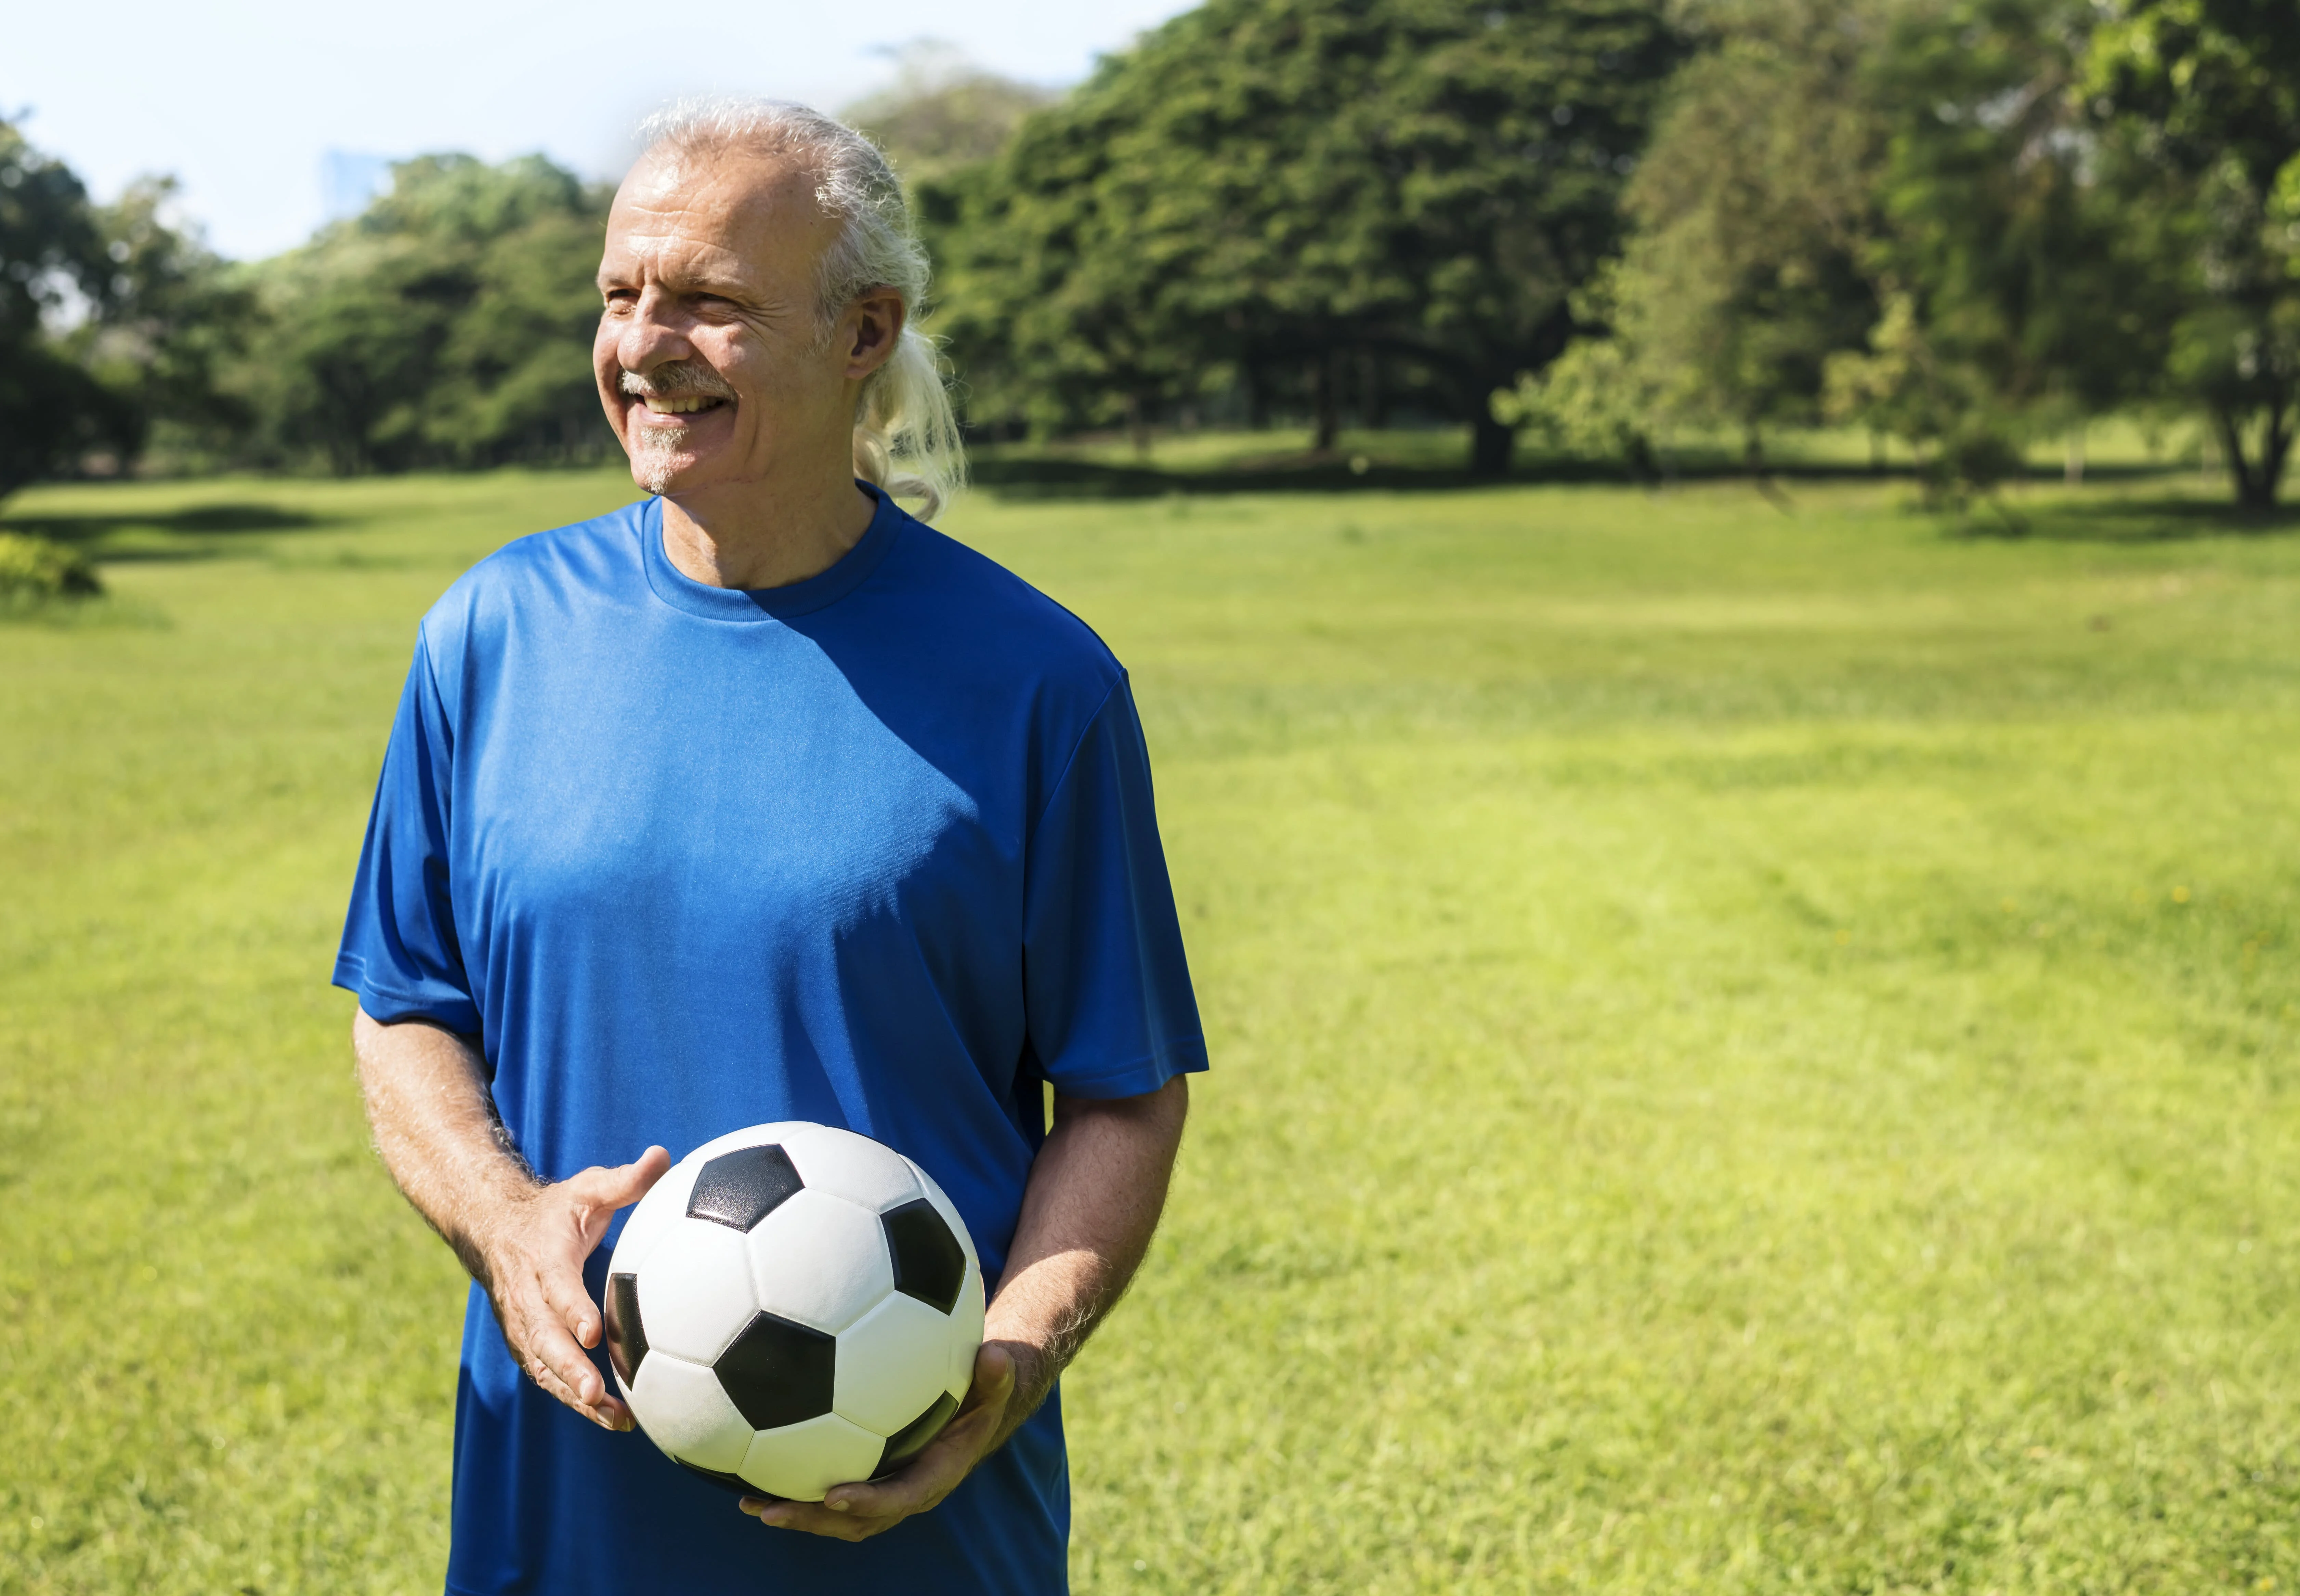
[
  {"x": 1054, "y": 478},
  {"x": 1057, "y": 477},
  {"x": 202, "y": 532},
  {"x": 2132, "y": 521}
]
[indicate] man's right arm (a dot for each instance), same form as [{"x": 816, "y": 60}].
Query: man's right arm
[{"x": 523, "y": 1240}]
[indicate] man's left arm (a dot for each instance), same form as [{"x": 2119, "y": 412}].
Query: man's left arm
[{"x": 1089, "y": 1211}]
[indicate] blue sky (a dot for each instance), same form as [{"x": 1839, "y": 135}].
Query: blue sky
[{"x": 263, "y": 106}]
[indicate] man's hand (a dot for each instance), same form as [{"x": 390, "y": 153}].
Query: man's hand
[
  {"x": 858, "y": 1511},
  {"x": 530, "y": 1253},
  {"x": 523, "y": 1241}
]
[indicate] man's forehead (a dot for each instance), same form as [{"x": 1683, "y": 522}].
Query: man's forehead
[{"x": 735, "y": 199}]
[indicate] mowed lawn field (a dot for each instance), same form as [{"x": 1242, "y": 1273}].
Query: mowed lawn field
[{"x": 1756, "y": 1050}]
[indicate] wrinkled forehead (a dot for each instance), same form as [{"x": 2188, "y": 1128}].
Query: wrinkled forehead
[{"x": 730, "y": 206}]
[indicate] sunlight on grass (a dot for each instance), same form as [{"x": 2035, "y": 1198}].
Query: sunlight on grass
[{"x": 1753, "y": 1051}]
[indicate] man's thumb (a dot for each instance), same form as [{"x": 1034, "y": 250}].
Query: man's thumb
[{"x": 626, "y": 1184}]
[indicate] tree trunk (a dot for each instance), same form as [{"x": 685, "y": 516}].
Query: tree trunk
[
  {"x": 2274, "y": 448},
  {"x": 1138, "y": 426},
  {"x": 1491, "y": 444},
  {"x": 2258, "y": 479},
  {"x": 1324, "y": 380},
  {"x": 2072, "y": 464}
]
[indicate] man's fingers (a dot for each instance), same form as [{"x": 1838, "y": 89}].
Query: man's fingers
[
  {"x": 548, "y": 1343},
  {"x": 859, "y": 1509},
  {"x": 623, "y": 1184},
  {"x": 610, "y": 1413},
  {"x": 995, "y": 1374},
  {"x": 598, "y": 1194},
  {"x": 814, "y": 1519},
  {"x": 571, "y": 1303},
  {"x": 898, "y": 1496},
  {"x": 607, "y": 1413}
]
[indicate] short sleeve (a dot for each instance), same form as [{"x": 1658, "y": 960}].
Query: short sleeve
[
  {"x": 400, "y": 953},
  {"x": 1107, "y": 991}
]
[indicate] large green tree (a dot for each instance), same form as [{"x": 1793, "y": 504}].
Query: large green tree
[
  {"x": 2020, "y": 295},
  {"x": 1907, "y": 213},
  {"x": 449, "y": 324},
  {"x": 1275, "y": 187},
  {"x": 51, "y": 254},
  {"x": 172, "y": 319},
  {"x": 1756, "y": 217},
  {"x": 2202, "y": 97},
  {"x": 112, "y": 319}
]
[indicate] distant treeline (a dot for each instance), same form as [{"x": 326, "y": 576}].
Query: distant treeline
[{"x": 1965, "y": 224}]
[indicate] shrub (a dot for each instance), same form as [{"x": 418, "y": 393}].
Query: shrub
[{"x": 33, "y": 570}]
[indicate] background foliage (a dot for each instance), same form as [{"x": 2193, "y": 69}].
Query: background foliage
[
  {"x": 1966, "y": 225},
  {"x": 1398, "y": 196},
  {"x": 449, "y": 324}
]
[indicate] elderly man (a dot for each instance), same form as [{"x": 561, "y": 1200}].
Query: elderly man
[{"x": 759, "y": 800}]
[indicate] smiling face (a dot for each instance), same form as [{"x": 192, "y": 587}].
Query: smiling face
[{"x": 713, "y": 365}]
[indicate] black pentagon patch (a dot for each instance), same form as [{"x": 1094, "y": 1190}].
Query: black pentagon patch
[
  {"x": 777, "y": 1373},
  {"x": 740, "y": 1188},
  {"x": 626, "y": 1336},
  {"x": 929, "y": 1262},
  {"x": 912, "y": 1439},
  {"x": 731, "y": 1481}
]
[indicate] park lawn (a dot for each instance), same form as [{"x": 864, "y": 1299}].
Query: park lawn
[{"x": 1755, "y": 1050}]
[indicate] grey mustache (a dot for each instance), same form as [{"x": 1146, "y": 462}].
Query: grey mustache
[{"x": 680, "y": 380}]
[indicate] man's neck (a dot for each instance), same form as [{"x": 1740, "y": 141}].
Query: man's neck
[{"x": 745, "y": 535}]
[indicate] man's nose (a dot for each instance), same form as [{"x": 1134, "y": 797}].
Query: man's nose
[{"x": 651, "y": 336}]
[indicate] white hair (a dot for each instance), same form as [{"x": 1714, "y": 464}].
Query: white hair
[{"x": 907, "y": 438}]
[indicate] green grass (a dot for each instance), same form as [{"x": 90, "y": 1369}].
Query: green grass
[{"x": 1755, "y": 1052}]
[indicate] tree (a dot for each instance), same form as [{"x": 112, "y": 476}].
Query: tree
[
  {"x": 449, "y": 324},
  {"x": 1060, "y": 309},
  {"x": 51, "y": 254},
  {"x": 1598, "y": 398},
  {"x": 1897, "y": 211},
  {"x": 2204, "y": 98},
  {"x": 112, "y": 319},
  {"x": 1269, "y": 186},
  {"x": 2034, "y": 304},
  {"x": 1757, "y": 214},
  {"x": 170, "y": 323}
]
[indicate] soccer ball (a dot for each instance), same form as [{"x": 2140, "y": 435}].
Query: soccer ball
[{"x": 793, "y": 1307}]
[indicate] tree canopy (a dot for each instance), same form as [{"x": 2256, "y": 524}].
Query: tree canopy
[
  {"x": 49, "y": 248},
  {"x": 1966, "y": 223},
  {"x": 449, "y": 324},
  {"x": 111, "y": 318},
  {"x": 1286, "y": 190},
  {"x": 2204, "y": 96}
]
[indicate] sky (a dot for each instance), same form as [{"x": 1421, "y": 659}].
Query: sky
[{"x": 278, "y": 114}]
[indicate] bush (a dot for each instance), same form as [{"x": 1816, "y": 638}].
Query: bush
[{"x": 33, "y": 570}]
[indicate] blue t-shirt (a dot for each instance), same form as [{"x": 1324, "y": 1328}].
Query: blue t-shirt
[{"x": 875, "y": 849}]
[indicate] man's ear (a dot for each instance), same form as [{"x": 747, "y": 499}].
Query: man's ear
[{"x": 878, "y": 318}]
